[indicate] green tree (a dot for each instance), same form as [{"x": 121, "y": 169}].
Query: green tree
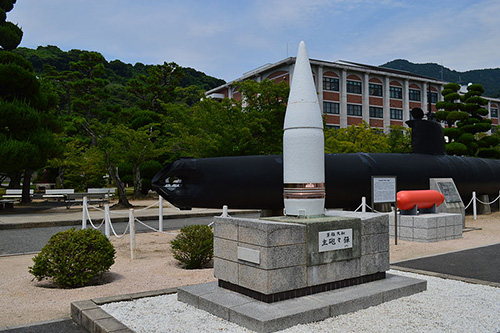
[
  {"x": 89, "y": 87},
  {"x": 80, "y": 166},
  {"x": 136, "y": 147},
  {"x": 356, "y": 138},
  {"x": 208, "y": 129},
  {"x": 10, "y": 33},
  {"x": 264, "y": 107},
  {"x": 213, "y": 128},
  {"x": 101, "y": 134},
  {"x": 399, "y": 139},
  {"x": 90, "y": 115},
  {"x": 26, "y": 124},
  {"x": 467, "y": 125},
  {"x": 157, "y": 87}
]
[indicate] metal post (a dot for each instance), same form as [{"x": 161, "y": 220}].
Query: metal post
[
  {"x": 160, "y": 215},
  {"x": 107, "y": 221},
  {"x": 131, "y": 221},
  {"x": 84, "y": 213},
  {"x": 395, "y": 224},
  {"x": 474, "y": 205},
  {"x": 363, "y": 204}
]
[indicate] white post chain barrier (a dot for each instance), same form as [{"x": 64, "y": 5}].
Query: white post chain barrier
[
  {"x": 107, "y": 221},
  {"x": 160, "y": 215},
  {"x": 84, "y": 213},
  {"x": 474, "y": 205},
  {"x": 131, "y": 221},
  {"x": 488, "y": 203},
  {"x": 363, "y": 204}
]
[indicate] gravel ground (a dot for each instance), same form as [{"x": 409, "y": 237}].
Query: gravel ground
[{"x": 446, "y": 306}]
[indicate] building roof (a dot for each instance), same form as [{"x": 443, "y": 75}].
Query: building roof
[{"x": 343, "y": 64}]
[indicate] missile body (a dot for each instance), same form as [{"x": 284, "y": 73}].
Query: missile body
[{"x": 303, "y": 145}]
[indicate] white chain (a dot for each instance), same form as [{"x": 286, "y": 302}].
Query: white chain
[{"x": 147, "y": 226}]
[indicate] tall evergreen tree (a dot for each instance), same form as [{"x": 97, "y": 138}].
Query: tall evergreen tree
[
  {"x": 465, "y": 116},
  {"x": 26, "y": 139}
]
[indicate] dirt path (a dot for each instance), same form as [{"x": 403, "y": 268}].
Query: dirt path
[{"x": 25, "y": 301}]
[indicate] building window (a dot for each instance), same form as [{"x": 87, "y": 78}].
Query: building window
[
  {"x": 414, "y": 95},
  {"x": 354, "y": 87},
  {"x": 494, "y": 113},
  {"x": 433, "y": 97},
  {"x": 330, "y": 83},
  {"x": 332, "y": 126},
  {"x": 397, "y": 114},
  {"x": 396, "y": 92},
  {"x": 375, "y": 89},
  {"x": 331, "y": 107},
  {"x": 376, "y": 112},
  {"x": 354, "y": 110}
]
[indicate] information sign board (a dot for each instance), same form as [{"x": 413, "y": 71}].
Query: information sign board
[{"x": 383, "y": 189}]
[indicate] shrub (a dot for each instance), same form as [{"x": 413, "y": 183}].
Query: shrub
[
  {"x": 456, "y": 148},
  {"x": 488, "y": 153},
  {"x": 74, "y": 258},
  {"x": 194, "y": 246}
]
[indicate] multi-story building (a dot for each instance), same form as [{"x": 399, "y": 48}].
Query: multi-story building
[{"x": 350, "y": 93}]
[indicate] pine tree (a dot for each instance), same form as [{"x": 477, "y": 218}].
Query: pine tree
[{"x": 26, "y": 139}]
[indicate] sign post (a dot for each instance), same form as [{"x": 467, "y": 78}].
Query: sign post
[{"x": 384, "y": 191}]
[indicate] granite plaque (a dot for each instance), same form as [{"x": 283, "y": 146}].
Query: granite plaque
[{"x": 449, "y": 191}]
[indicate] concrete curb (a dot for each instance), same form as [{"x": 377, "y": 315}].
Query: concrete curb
[
  {"x": 27, "y": 327},
  {"x": 89, "y": 314}
]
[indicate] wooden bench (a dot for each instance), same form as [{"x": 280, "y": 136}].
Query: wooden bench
[
  {"x": 57, "y": 193},
  {"x": 72, "y": 199},
  {"x": 11, "y": 193}
]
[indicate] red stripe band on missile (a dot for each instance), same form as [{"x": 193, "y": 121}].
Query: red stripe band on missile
[{"x": 304, "y": 191}]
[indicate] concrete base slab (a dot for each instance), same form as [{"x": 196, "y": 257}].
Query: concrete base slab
[{"x": 271, "y": 317}]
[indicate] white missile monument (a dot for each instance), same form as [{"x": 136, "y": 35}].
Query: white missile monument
[
  {"x": 303, "y": 145},
  {"x": 276, "y": 272}
]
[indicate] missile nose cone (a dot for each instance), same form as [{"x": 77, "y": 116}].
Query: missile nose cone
[{"x": 303, "y": 108}]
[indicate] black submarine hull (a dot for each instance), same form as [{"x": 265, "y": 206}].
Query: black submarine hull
[{"x": 256, "y": 182}]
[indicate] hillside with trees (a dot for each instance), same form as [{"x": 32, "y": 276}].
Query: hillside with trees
[
  {"x": 48, "y": 58},
  {"x": 488, "y": 78}
]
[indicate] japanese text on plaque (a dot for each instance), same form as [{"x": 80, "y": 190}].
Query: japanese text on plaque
[{"x": 335, "y": 240}]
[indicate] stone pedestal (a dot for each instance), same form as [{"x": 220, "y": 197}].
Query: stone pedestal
[
  {"x": 279, "y": 258},
  {"x": 274, "y": 273},
  {"x": 428, "y": 227}
]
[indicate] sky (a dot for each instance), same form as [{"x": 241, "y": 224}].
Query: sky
[{"x": 226, "y": 38}]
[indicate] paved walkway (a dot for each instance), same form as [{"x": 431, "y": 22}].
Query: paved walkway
[{"x": 482, "y": 264}]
